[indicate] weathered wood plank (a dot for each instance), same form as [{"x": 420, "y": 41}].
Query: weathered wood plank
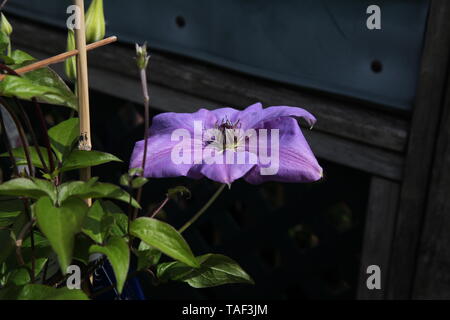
[
  {"x": 355, "y": 155},
  {"x": 346, "y": 119},
  {"x": 378, "y": 233},
  {"x": 420, "y": 150},
  {"x": 432, "y": 278}
]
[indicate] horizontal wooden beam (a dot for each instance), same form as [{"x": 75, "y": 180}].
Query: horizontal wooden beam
[{"x": 355, "y": 155}]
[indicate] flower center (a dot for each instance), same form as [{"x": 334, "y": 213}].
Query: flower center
[{"x": 226, "y": 135}]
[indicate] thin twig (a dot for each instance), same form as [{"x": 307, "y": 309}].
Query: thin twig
[
  {"x": 19, "y": 243},
  {"x": 23, "y": 233},
  {"x": 29, "y": 126},
  {"x": 154, "y": 213},
  {"x": 3, "y": 4},
  {"x": 44, "y": 129}
]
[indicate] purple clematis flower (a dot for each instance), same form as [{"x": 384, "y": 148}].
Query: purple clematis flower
[{"x": 226, "y": 144}]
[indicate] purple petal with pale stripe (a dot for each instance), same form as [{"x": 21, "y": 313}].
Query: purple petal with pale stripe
[
  {"x": 297, "y": 162},
  {"x": 159, "y": 162},
  {"x": 273, "y": 113},
  {"x": 225, "y": 173}
]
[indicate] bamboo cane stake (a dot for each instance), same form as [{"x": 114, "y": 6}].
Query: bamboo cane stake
[
  {"x": 60, "y": 57},
  {"x": 83, "y": 91}
]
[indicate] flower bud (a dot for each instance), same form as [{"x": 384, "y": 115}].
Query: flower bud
[
  {"x": 5, "y": 26},
  {"x": 95, "y": 22},
  {"x": 70, "y": 65},
  {"x": 141, "y": 56}
]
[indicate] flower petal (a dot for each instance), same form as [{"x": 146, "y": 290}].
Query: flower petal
[
  {"x": 223, "y": 114},
  {"x": 159, "y": 162},
  {"x": 224, "y": 173},
  {"x": 297, "y": 162},
  {"x": 166, "y": 123},
  {"x": 246, "y": 117},
  {"x": 273, "y": 113}
]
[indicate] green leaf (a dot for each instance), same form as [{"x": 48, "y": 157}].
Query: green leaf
[
  {"x": 178, "y": 191},
  {"x": 120, "y": 226},
  {"x": 118, "y": 255},
  {"x": 46, "y": 77},
  {"x": 9, "y": 211},
  {"x": 60, "y": 225},
  {"x": 147, "y": 256},
  {"x": 79, "y": 159},
  {"x": 95, "y": 190},
  {"x": 97, "y": 223},
  {"x": 135, "y": 172},
  {"x": 21, "y": 276},
  {"x": 6, "y": 59},
  {"x": 215, "y": 270},
  {"x": 19, "y": 154},
  {"x": 20, "y": 57},
  {"x": 32, "y": 188},
  {"x": 40, "y": 292},
  {"x": 175, "y": 271},
  {"x": 124, "y": 180},
  {"x": 165, "y": 238},
  {"x": 138, "y": 182},
  {"x": 4, "y": 42},
  {"x": 40, "y": 84},
  {"x": 63, "y": 137}
]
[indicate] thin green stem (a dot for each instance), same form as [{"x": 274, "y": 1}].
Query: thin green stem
[
  {"x": 203, "y": 209},
  {"x": 143, "y": 75},
  {"x": 130, "y": 219},
  {"x": 146, "y": 115}
]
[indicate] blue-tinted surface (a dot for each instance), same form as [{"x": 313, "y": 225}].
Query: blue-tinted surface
[{"x": 320, "y": 44}]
